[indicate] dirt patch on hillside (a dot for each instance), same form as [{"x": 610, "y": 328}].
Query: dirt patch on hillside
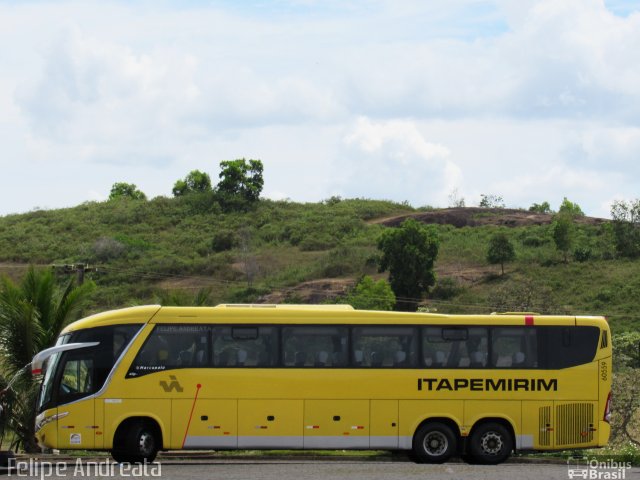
[
  {"x": 476, "y": 216},
  {"x": 314, "y": 291},
  {"x": 466, "y": 275}
]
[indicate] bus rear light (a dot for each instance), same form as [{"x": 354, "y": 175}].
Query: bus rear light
[{"x": 607, "y": 409}]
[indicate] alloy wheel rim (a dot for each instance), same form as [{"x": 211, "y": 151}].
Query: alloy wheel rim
[
  {"x": 435, "y": 443},
  {"x": 491, "y": 443},
  {"x": 146, "y": 443}
]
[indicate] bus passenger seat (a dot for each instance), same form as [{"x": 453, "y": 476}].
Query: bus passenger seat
[
  {"x": 185, "y": 358},
  {"x": 358, "y": 356},
  {"x": 223, "y": 359},
  {"x": 241, "y": 356},
  {"x": 338, "y": 359},
  {"x": 518, "y": 359},
  {"x": 263, "y": 359},
  {"x": 301, "y": 359},
  {"x": 321, "y": 358},
  {"x": 440, "y": 359},
  {"x": 477, "y": 360},
  {"x": 376, "y": 359},
  {"x": 400, "y": 358},
  {"x": 200, "y": 358}
]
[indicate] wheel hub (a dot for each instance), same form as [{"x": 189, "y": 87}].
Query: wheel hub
[
  {"x": 146, "y": 443},
  {"x": 491, "y": 443},
  {"x": 435, "y": 443}
]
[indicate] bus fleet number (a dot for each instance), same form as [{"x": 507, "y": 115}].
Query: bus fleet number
[{"x": 603, "y": 371}]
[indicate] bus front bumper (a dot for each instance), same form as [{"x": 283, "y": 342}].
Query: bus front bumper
[{"x": 47, "y": 428}]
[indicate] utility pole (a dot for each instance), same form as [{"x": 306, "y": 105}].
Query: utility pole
[{"x": 79, "y": 269}]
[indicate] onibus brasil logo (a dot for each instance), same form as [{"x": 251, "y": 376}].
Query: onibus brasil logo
[{"x": 597, "y": 468}]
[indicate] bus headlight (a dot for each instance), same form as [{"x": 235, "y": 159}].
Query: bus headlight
[{"x": 46, "y": 420}]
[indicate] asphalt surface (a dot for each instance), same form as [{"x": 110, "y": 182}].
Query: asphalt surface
[{"x": 230, "y": 469}]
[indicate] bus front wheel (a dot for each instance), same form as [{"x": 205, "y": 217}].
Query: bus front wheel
[
  {"x": 139, "y": 444},
  {"x": 490, "y": 444},
  {"x": 434, "y": 442}
]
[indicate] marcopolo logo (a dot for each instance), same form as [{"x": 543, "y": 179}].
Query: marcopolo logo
[
  {"x": 174, "y": 384},
  {"x": 592, "y": 468}
]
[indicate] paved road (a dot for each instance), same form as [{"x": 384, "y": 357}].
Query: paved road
[{"x": 320, "y": 470}]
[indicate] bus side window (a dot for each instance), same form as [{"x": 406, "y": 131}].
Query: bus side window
[
  {"x": 172, "y": 346},
  {"x": 570, "y": 346},
  {"x": 244, "y": 346},
  {"x": 384, "y": 347},
  {"x": 321, "y": 346},
  {"x": 514, "y": 347},
  {"x": 455, "y": 347}
]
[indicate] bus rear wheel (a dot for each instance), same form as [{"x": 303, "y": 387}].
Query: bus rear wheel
[
  {"x": 490, "y": 444},
  {"x": 434, "y": 442},
  {"x": 139, "y": 444}
]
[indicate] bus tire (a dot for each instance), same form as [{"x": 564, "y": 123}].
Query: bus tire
[
  {"x": 490, "y": 443},
  {"x": 141, "y": 444},
  {"x": 434, "y": 442}
]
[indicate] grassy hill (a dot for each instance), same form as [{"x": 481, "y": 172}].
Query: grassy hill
[{"x": 286, "y": 251}]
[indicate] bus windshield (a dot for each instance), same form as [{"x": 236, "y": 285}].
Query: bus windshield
[{"x": 75, "y": 374}]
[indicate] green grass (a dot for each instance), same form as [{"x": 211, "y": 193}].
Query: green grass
[{"x": 142, "y": 247}]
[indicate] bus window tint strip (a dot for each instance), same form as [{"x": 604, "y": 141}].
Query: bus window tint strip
[{"x": 369, "y": 346}]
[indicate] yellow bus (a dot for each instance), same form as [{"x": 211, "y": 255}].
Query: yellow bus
[{"x": 143, "y": 379}]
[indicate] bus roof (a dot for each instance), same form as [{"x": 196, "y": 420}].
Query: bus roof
[{"x": 312, "y": 314}]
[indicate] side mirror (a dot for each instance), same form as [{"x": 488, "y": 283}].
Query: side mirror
[{"x": 40, "y": 358}]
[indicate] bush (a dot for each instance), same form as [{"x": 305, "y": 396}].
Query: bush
[
  {"x": 543, "y": 207},
  {"x": 534, "y": 241},
  {"x": 106, "y": 248},
  {"x": 371, "y": 295},
  {"x": 224, "y": 240},
  {"x": 247, "y": 295},
  {"x": 582, "y": 254},
  {"x": 445, "y": 289},
  {"x": 316, "y": 244}
]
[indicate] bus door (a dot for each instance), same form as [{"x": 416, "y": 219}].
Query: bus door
[{"x": 76, "y": 414}]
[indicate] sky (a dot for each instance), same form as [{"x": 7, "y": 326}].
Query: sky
[{"x": 406, "y": 100}]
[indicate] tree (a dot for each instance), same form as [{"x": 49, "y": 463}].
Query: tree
[
  {"x": 625, "y": 423},
  {"x": 500, "y": 250},
  {"x": 491, "y": 201},
  {"x": 371, "y": 295},
  {"x": 32, "y": 315},
  {"x": 241, "y": 178},
  {"x": 562, "y": 231},
  {"x": 455, "y": 200},
  {"x": 126, "y": 190},
  {"x": 195, "y": 182},
  {"x": 626, "y": 348},
  {"x": 409, "y": 252},
  {"x": 523, "y": 295},
  {"x": 626, "y": 227},
  {"x": 625, "y": 416},
  {"x": 570, "y": 208},
  {"x": 543, "y": 207}
]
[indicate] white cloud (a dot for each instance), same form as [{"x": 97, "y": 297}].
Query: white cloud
[
  {"x": 392, "y": 159},
  {"x": 400, "y": 100}
]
